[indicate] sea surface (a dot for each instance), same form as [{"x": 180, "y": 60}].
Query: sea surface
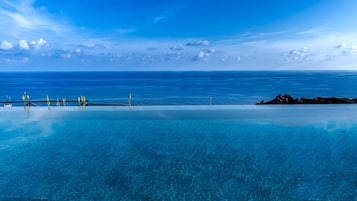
[
  {"x": 178, "y": 88},
  {"x": 172, "y": 144}
]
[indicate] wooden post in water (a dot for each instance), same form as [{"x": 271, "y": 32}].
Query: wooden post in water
[
  {"x": 129, "y": 100},
  {"x": 79, "y": 100},
  {"x": 58, "y": 102},
  {"x": 48, "y": 102},
  {"x": 9, "y": 103},
  {"x": 27, "y": 103},
  {"x": 84, "y": 102}
]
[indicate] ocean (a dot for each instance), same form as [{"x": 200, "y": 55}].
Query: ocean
[
  {"x": 172, "y": 144},
  {"x": 178, "y": 88}
]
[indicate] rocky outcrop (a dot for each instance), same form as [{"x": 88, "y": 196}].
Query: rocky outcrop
[{"x": 287, "y": 99}]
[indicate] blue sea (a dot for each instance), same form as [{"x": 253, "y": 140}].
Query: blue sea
[
  {"x": 173, "y": 144},
  {"x": 178, "y": 88}
]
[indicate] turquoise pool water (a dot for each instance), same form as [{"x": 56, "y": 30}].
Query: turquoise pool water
[{"x": 227, "y": 152}]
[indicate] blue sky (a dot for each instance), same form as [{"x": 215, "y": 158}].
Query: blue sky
[{"x": 66, "y": 35}]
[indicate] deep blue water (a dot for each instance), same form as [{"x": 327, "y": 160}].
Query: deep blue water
[
  {"x": 180, "y": 152},
  {"x": 166, "y": 88}
]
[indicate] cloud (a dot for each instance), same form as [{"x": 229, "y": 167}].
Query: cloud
[
  {"x": 174, "y": 56},
  {"x": 23, "y": 19},
  {"x": 176, "y": 48},
  {"x": 6, "y": 45},
  {"x": 20, "y": 20},
  {"x": 342, "y": 45},
  {"x": 238, "y": 59},
  {"x": 41, "y": 42},
  {"x": 38, "y": 44},
  {"x": 238, "y": 53},
  {"x": 210, "y": 51},
  {"x": 204, "y": 54},
  {"x": 354, "y": 48},
  {"x": 198, "y": 43},
  {"x": 159, "y": 18},
  {"x": 310, "y": 31},
  {"x": 92, "y": 46},
  {"x": 23, "y": 45},
  {"x": 201, "y": 54},
  {"x": 343, "y": 50},
  {"x": 298, "y": 55}
]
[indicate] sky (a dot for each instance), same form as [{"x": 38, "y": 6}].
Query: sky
[{"x": 174, "y": 35}]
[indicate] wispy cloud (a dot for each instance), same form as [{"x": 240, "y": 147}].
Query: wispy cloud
[
  {"x": 125, "y": 31},
  {"x": 22, "y": 19},
  {"x": 177, "y": 48},
  {"x": 159, "y": 18},
  {"x": 309, "y": 31},
  {"x": 198, "y": 43},
  {"x": 299, "y": 55}
]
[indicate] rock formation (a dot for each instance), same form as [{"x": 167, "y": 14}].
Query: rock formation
[{"x": 288, "y": 99}]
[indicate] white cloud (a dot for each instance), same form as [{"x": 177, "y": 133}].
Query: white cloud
[
  {"x": 201, "y": 54},
  {"x": 354, "y": 48},
  {"x": 41, "y": 42},
  {"x": 264, "y": 53},
  {"x": 6, "y": 45},
  {"x": 23, "y": 45},
  {"x": 238, "y": 59},
  {"x": 38, "y": 44},
  {"x": 204, "y": 54}
]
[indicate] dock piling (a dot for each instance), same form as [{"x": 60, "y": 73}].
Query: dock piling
[
  {"x": 129, "y": 100},
  {"x": 48, "y": 102}
]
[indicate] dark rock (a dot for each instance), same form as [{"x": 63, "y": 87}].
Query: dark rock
[{"x": 288, "y": 99}]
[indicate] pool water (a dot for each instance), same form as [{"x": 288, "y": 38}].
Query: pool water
[{"x": 179, "y": 153}]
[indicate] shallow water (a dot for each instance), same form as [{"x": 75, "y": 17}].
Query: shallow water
[{"x": 179, "y": 153}]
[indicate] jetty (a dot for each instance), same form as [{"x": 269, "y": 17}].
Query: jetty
[{"x": 288, "y": 99}]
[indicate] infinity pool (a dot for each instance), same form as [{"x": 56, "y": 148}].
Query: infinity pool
[{"x": 255, "y": 153}]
